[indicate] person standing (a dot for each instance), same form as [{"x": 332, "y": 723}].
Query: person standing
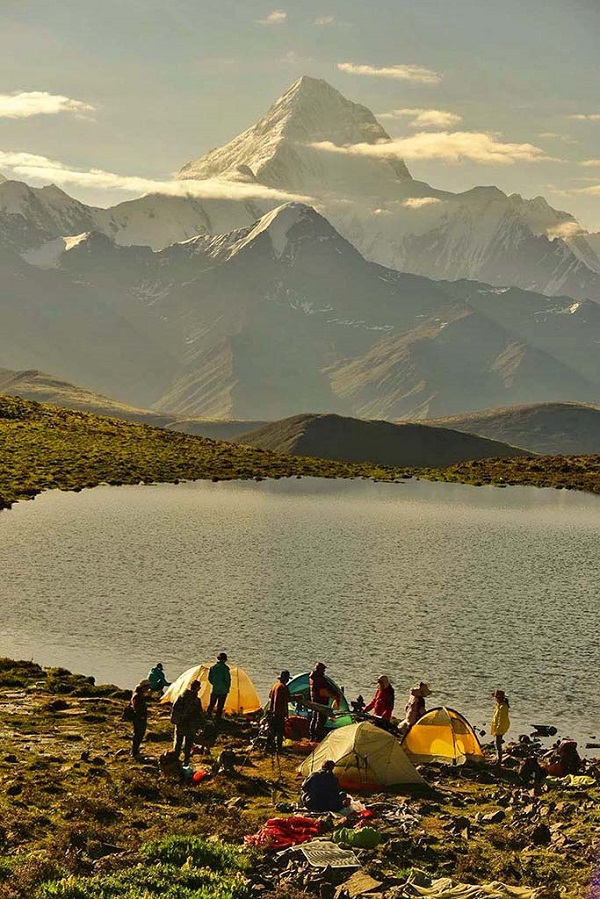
[
  {"x": 415, "y": 707},
  {"x": 500, "y": 721},
  {"x": 219, "y": 678},
  {"x": 382, "y": 703},
  {"x": 321, "y": 691},
  {"x": 187, "y": 716},
  {"x": 139, "y": 705},
  {"x": 279, "y": 699}
]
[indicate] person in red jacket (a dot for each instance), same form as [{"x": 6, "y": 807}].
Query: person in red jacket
[
  {"x": 321, "y": 691},
  {"x": 382, "y": 704}
]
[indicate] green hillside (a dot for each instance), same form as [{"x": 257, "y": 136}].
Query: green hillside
[{"x": 44, "y": 447}]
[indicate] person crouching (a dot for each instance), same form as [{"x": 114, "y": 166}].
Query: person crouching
[
  {"x": 321, "y": 792},
  {"x": 187, "y": 716}
]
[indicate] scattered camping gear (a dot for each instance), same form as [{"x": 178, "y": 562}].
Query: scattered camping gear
[
  {"x": 279, "y": 833},
  {"x": 544, "y": 730},
  {"x": 442, "y": 735},
  {"x": 363, "y": 838},
  {"x": 242, "y": 698},
  {"x": 366, "y": 758},
  {"x": 325, "y": 854},
  {"x": 300, "y": 690}
]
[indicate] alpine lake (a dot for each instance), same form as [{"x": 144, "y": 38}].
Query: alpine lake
[{"x": 470, "y": 589}]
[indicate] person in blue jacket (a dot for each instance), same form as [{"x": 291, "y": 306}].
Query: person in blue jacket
[{"x": 321, "y": 791}]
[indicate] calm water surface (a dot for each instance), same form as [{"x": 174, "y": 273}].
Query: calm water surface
[{"x": 467, "y": 588}]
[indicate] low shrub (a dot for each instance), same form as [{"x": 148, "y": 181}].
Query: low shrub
[
  {"x": 180, "y": 850},
  {"x": 164, "y": 881}
]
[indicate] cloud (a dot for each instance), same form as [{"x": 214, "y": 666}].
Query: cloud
[
  {"x": 565, "y": 231},
  {"x": 420, "y": 202},
  {"x": 586, "y": 117},
  {"x": 324, "y": 20},
  {"x": 277, "y": 17},
  {"x": 42, "y": 169},
  {"x": 592, "y": 191},
  {"x": 554, "y": 135},
  {"x": 424, "y": 118},
  {"x": 24, "y": 104},
  {"x": 455, "y": 146},
  {"x": 418, "y": 74},
  {"x": 590, "y": 163}
]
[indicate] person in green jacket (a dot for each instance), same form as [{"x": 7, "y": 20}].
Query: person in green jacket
[
  {"x": 219, "y": 678},
  {"x": 500, "y": 721},
  {"x": 157, "y": 678}
]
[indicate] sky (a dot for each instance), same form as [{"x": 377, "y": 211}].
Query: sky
[{"x": 111, "y": 98}]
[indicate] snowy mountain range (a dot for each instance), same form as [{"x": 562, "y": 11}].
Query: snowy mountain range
[
  {"x": 285, "y": 316},
  {"x": 374, "y": 203}
]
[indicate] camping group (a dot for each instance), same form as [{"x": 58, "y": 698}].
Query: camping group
[{"x": 361, "y": 742}]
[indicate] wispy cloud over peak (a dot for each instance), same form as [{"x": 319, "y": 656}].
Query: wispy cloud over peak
[
  {"x": 424, "y": 118},
  {"x": 586, "y": 117},
  {"x": 565, "y": 231},
  {"x": 421, "y": 202},
  {"x": 453, "y": 147},
  {"x": 276, "y": 17},
  {"x": 42, "y": 170},
  {"x": 418, "y": 74},
  {"x": 24, "y": 104}
]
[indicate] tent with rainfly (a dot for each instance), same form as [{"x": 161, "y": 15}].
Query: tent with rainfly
[
  {"x": 242, "y": 698},
  {"x": 442, "y": 735},
  {"x": 366, "y": 758}
]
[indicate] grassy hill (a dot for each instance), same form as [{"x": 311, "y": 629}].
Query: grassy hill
[
  {"x": 44, "y": 447},
  {"x": 562, "y": 428},
  {"x": 356, "y": 440}
]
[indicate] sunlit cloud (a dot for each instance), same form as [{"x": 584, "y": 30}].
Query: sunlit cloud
[
  {"x": 565, "y": 230},
  {"x": 41, "y": 169},
  {"x": 555, "y": 135},
  {"x": 455, "y": 147},
  {"x": 418, "y": 74},
  {"x": 592, "y": 191},
  {"x": 424, "y": 118},
  {"x": 325, "y": 20},
  {"x": 277, "y": 17},
  {"x": 24, "y": 104},
  {"x": 590, "y": 163},
  {"x": 420, "y": 202},
  {"x": 586, "y": 117}
]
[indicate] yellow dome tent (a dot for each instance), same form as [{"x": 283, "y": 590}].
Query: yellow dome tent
[
  {"x": 366, "y": 758},
  {"x": 442, "y": 735},
  {"x": 242, "y": 698}
]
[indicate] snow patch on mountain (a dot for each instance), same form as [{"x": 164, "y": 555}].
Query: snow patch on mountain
[{"x": 277, "y": 224}]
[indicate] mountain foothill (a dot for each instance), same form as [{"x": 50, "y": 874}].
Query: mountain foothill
[{"x": 351, "y": 303}]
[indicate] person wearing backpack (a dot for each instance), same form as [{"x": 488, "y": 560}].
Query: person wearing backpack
[
  {"x": 138, "y": 715},
  {"x": 187, "y": 716}
]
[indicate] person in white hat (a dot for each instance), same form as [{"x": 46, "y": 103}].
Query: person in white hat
[{"x": 415, "y": 707}]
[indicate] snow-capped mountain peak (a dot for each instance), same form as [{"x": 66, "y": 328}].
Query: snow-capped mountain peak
[{"x": 278, "y": 150}]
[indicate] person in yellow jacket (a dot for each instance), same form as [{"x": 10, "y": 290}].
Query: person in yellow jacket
[{"x": 500, "y": 721}]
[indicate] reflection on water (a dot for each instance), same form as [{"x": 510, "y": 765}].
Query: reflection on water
[{"x": 467, "y": 588}]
